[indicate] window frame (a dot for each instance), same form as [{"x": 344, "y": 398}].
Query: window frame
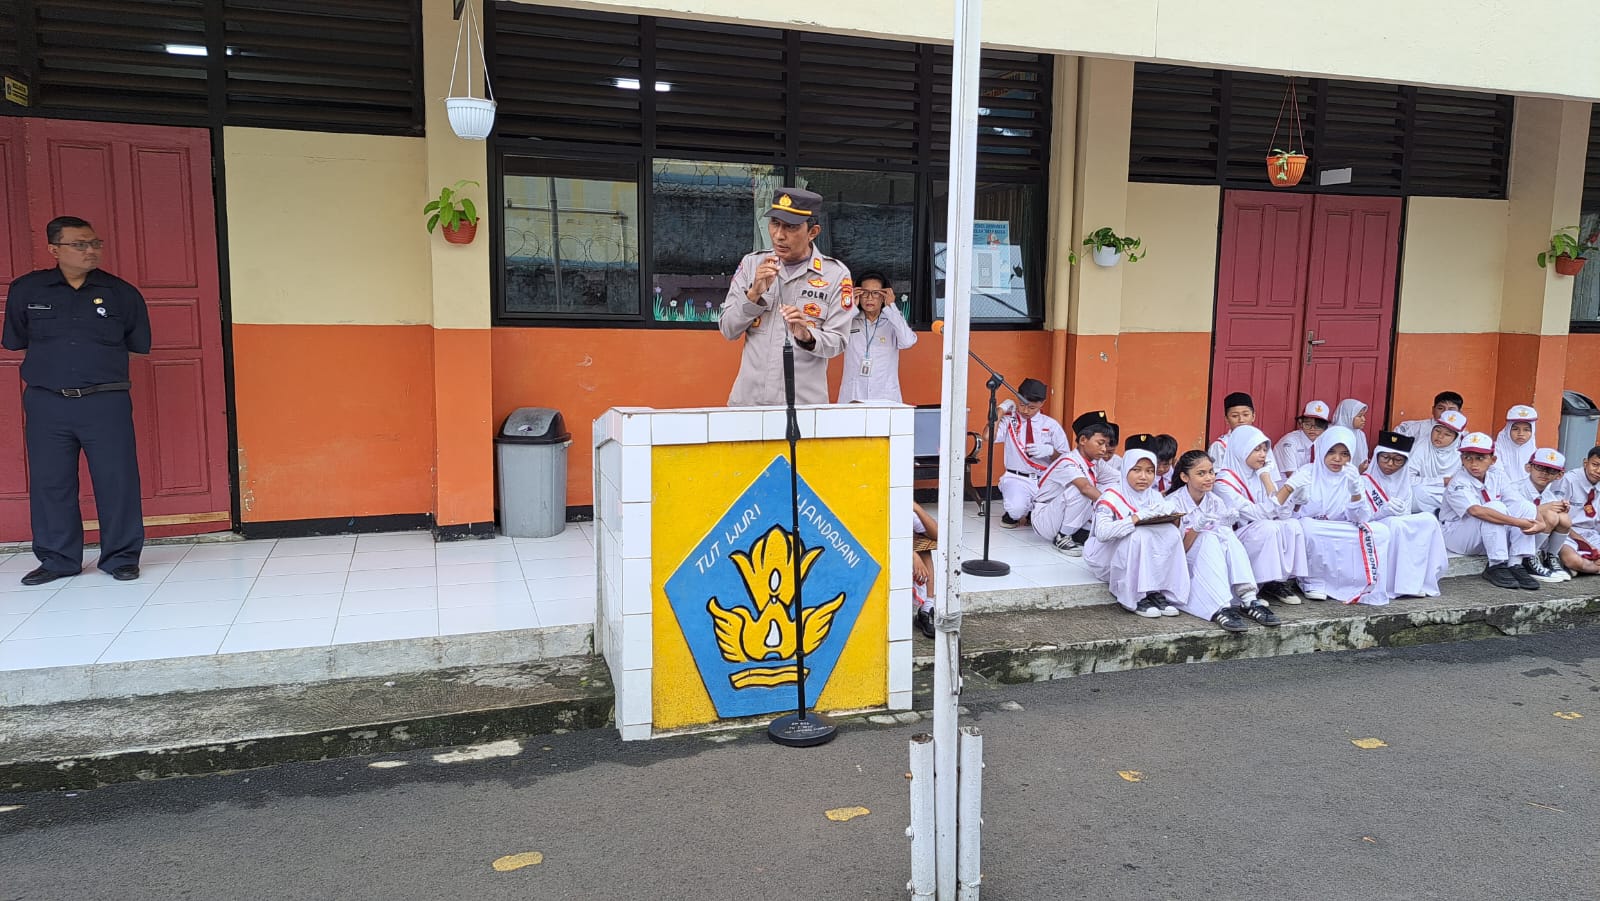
[{"x": 1590, "y": 202}]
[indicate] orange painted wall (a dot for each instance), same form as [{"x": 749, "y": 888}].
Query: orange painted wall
[
  {"x": 583, "y": 372},
  {"x": 334, "y": 420},
  {"x": 1583, "y": 367},
  {"x": 464, "y": 427},
  {"x": 1161, "y": 384},
  {"x": 1425, "y": 364}
]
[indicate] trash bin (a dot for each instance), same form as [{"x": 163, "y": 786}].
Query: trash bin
[
  {"x": 531, "y": 459},
  {"x": 1580, "y": 419}
]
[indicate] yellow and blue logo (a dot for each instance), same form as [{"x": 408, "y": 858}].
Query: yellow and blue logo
[{"x": 734, "y": 596}]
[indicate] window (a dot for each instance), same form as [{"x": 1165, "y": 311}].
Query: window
[
  {"x": 1586, "y": 285},
  {"x": 706, "y": 217},
  {"x": 870, "y": 224},
  {"x": 1007, "y": 245},
  {"x": 571, "y": 239}
]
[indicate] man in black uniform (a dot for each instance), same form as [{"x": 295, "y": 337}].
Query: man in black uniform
[{"x": 78, "y": 326}]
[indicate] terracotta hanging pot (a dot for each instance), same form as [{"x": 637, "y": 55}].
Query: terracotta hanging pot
[
  {"x": 463, "y": 233},
  {"x": 1286, "y": 165},
  {"x": 1566, "y": 265},
  {"x": 1286, "y": 170}
]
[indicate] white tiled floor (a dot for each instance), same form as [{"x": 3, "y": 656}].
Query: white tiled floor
[
  {"x": 237, "y": 596},
  {"x": 1035, "y": 563}
]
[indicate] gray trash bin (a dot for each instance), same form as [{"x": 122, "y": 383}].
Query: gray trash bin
[
  {"x": 531, "y": 460},
  {"x": 1580, "y": 419}
]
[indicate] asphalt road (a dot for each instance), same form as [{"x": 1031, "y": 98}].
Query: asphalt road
[{"x": 1248, "y": 785}]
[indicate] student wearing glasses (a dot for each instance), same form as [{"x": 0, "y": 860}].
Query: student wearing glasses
[
  {"x": 77, "y": 325},
  {"x": 872, "y": 347}
]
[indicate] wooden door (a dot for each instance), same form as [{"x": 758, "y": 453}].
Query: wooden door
[
  {"x": 147, "y": 190},
  {"x": 16, "y": 258},
  {"x": 1261, "y": 303}
]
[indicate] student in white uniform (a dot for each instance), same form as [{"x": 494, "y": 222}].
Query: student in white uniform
[
  {"x": 1481, "y": 518},
  {"x": 1343, "y": 552},
  {"x": 1515, "y": 444},
  {"x": 1144, "y": 566},
  {"x": 1352, "y": 414},
  {"x": 1294, "y": 449},
  {"x": 1417, "y": 558},
  {"x": 1108, "y": 472},
  {"x": 924, "y": 539},
  {"x": 1418, "y": 428},
  {"x": 1583, "y": 491},
  {"x": 1165, "y": 447},
  {"x": 1239, "y": 409},
  {"x": 873, "y": 343},
  {"x": 1544, "y": 487},
  {"x": 1068, "y": 489},
  {"x": 1222, "y": 584},
  {"x": 1276, "y": 543},
  {"x": 1435, "y": 461},
  {"x": 1032, "y": 441}
]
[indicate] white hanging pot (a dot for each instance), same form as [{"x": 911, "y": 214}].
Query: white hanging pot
[
  {"x": 1106, "y": 257},
  {"x": 471, "y": 118}
]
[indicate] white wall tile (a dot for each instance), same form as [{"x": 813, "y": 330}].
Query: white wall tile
[
  {"x": 636, "y": 596},
  {"x": 774, "y": 424},
  {"x": 678, "y": 428},
  {"x": 900, "y": 512},
  {"x": 635, "y": 733},
  {"x": 901, "y": 448},
  {"x": 608, "y": 463},
  {"x": 602, "y": 428},
  {"x": 734, "y": 425},
  {"x": 902, "y": 421},
  {"x": 841, "y": 422},
  {"x": 635, "y": 482},
  {"x": 636, "y": 519},
  {"x": 900, "y": 666},
  {"x": 633, "y": 698},
  {"x": 898, "y": 700},
  {"x": 637, "y": 642},
  {"x": 877, "y": 423},
  {"x": 636, "y": 428},
  {"x": 899, "y": 614},
  {"x": 899, "y": 563}
]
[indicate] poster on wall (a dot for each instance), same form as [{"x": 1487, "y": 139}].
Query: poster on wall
[{"x": 998, "y": 289}]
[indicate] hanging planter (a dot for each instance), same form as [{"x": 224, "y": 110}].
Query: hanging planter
[
  {"x": 454, "y": 214},
  {"x": 471, "y": 117},
  {"x": 462, "y": 233},
  {"x": 1285, "y": 168},
  {"x": 1106, "y": 248},
  {"x": 1569, "y": 251}
]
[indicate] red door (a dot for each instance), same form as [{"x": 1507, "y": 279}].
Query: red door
[
  {"x": 1305, "y": 303},
  {"x": 147, "y": 190}
]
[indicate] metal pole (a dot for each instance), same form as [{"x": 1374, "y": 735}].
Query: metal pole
[
  {"x": 953, "y": 422},
  {"x": 921, "y": 828},
  {"x": 969, "y": 865}
]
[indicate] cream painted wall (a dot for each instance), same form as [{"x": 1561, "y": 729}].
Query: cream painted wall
[
  {"x": 1548, "y": 146},
  {"x": 1454, "y": 265},
  {"x": 365, "y": 263},
  {"x": 1174, "y": 288},
  {"x": 1489, "y": 45},
  {"x": 459, "y": 273},
  {"x": 1105, "y": 114}
]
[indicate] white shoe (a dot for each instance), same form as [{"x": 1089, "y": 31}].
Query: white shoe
[
  {"x": 1165, "y": 606},
  {"x": 1313, "y": 594}
]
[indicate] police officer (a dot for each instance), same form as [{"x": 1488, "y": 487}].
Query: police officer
[
  {"x": 789, "y": 290},
  {"x": 78, "y": 325}
]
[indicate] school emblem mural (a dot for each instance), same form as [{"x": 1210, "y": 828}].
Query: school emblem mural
[{"x": 734, "y": 596}]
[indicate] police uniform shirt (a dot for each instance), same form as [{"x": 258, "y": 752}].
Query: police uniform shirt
[
  {"x": 821, "y": 289},
  {"x": 872, "y": 356},
  {"x": 75, "y": 337}
]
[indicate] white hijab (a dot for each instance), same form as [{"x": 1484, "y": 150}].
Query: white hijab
[
  {"x": 1392, "y": 485},
  {"x": 1123, "y": 499},
  {"x": 1429, "y": 462},
  {"x": 1511, "y": 457},
  {"x": 1345, "y": 415},
  {"x": 1328, "y": 495},
  {"x": 1242, "y": 442}
]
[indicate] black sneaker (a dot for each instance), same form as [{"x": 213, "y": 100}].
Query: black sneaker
[
  {"x": 1556, "y": 567},
  {"x": 1262, "y": 614},
  {"x": 1006, "y": 522},
  {"x": 1228, "y": 618},
  {"x": 1525, "y": 579},
  {"x": 1147, "y": 608},
  {"x": 925, "y": 623},
  {"x": 1164, "y": 605},
  {"x": 1540, "y": 571},
  {"x": 1270, "y": 591},
  {"x": 1499, "y": 575}
]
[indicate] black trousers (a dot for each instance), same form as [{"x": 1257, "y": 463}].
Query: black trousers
[{"x": 57, "y": 430}]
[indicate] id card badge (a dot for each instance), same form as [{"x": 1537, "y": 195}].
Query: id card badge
[{"x": 866, "y": 367}]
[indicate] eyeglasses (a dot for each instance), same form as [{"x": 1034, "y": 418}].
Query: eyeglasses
[
  {"x": 872, "y": 292},
  {"x": 96, "y": 244}
]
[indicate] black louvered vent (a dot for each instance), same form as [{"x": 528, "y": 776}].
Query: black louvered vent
[
  {"x": 719, "y": 87},
  {"x": 1013, "y": 110},
  {"x": 1362, "y": 126},
  {"x": 1259, "y": 121},
  {"x": 1460, "y": 143},
  {"x": 127, "y": 57},
  {"x": 353, "y": 65},
  {"x": 563, "y": 75},
  {"x": 10, "y": 56},
  {"x": 1591, "y": 181},
  {"x": 860, "y": 100},
  {"x": 1176, "y": 123}
]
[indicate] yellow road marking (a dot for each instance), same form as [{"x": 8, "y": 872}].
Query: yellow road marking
[
  {"x": 1569, "y": 715},
  {"x": 846, "y": 814},
  {"x": 1368, "y": 744},
  {"x": 517, "y": 861},
  {"x": 1131, "y": 775}
]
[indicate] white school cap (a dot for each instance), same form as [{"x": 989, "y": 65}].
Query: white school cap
[
  {"x": 1522, "y": 413},
  {"x": 1317, "y": 410},
  {"x": 1549, "y": 458},
  {"x": 1454, "y": 420},
  {"x": 1477, "y": 443}
]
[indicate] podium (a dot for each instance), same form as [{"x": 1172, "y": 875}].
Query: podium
[{"x": 695, "y": 562}]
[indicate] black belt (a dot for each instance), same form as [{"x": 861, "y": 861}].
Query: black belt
[
  {"x": 1026, "y": 475},
  {"x": 91, "y": 389}
]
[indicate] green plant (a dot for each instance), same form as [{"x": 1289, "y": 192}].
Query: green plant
[
  {"x": 1563, "y": 244},
  {"x": 1105, "y": 237},
  {"x": 1280, "y": 162},
  {"x": 451, "y": 209}
]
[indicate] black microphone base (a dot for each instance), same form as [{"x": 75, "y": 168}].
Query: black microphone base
[
  {"x": 791, "y": 731},
  {"x": 985, "y": 567}
]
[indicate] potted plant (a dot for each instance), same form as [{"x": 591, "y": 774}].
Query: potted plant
[
  {"x": 1286, "y": 167},
  {"x": 1568, "y": 251},
  {"x": 455, "y": 212},
  {"x": 1107, "y": 246}
]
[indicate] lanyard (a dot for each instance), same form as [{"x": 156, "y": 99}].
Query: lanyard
[{"x": 870, "y": 329}]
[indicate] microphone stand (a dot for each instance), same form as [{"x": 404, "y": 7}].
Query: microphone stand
[
  {"x": 797, "y": 730},
  {"x": 986, "y": 566}
]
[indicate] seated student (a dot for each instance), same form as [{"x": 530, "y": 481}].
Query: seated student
[
  {"x": 1239, "y": 409},
  {"x": 1222, "y": 585},
  {"x": 924, "y": 538},
  {"x": 1582, "y": 484},
  {"x": 1433, "y": 465},
  {"x": 1276, "y": 544},
  {"x": 1514, "y": 446},
  {"x": 1165, "y": 447},
  {"x": 1482, "y": 518},
  {"x": 1032, "y": 440},
  {"x": 1416, "y": 558},
  {"x": 1294, "y": 449},
  {"x": 1108, "y": 472},
  {"x": 1352, "y": 414},
  {"x": 1344, "y": 554},
  {"x": 1144, "y": 566},
  {"x": 1544, "y": 487},
  {"x": 1418, "y": 429},
  {"x": 1068, "y": 490}
]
